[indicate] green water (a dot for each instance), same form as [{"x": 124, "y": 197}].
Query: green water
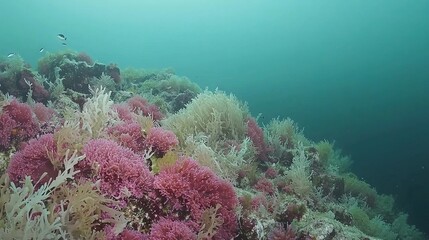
[{"x": 356, "y": 72}]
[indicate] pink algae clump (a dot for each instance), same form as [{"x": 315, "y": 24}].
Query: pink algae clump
[
  {"x": 264, "y": 185},
  {"x": 166, "y": 229},
  {"x": 161, "y": 140},
  {"x": 43, "y": 113},
  {"x": 124, "y": 112},
  {"x": 118, "y": 168},
  {"x": 125, "y": 235},
  {"x": 191, "y": 189},
  {"x": 17, "y": 124},
  {"x": 33, "y": 161},
  {"x": 256, "y": 135},
  {"x": 271, "y": 173},
  {"x": 128, "y": 134},
  {"x": 6, "y": 130},
  {"x": 139, "y": 104}
]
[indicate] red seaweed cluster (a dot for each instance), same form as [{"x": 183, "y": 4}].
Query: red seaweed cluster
[{"x": 20, "y": 122}]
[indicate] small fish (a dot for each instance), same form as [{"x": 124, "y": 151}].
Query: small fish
[
  {"x": 10, "y": 55},
  {"x": 64, "y": 44},
  {"x": 41, "y": 50},
  {"x": 61, "y": 37}
]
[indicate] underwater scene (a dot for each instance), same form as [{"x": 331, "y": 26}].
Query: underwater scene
[{"x": 197, "y": 119}]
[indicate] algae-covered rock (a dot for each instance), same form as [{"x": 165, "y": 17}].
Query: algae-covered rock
[{"x": 76, "y": 70}]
